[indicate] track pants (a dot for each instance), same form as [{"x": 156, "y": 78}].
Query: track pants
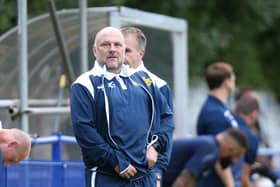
[{"x": 100, "y": 179}]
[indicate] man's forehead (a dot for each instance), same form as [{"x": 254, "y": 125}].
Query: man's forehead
[{"x": 109, "y": 35}]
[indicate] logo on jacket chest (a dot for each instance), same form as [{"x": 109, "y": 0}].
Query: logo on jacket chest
[
  {"x": 111, "y": 85},
  {"x": 148, "y": 81}
]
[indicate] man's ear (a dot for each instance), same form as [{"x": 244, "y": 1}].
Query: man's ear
[
  {"x": 142, "y": 53},
  {"x": 13, "y": 143},
  {"x": 227, "y": 83},
  {"x": 94, "y": 49}
]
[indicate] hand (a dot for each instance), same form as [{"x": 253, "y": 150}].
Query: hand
[
  {"x": 180, "y": 182},
  {"x": 158, "y": 183},
  {"x": 152, "y": 156},
  {"x": 130, "y": 172},
  {"x": 185, "y": 179}
]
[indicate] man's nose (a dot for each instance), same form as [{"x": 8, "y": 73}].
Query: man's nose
[{"x": 112, "y": 47}]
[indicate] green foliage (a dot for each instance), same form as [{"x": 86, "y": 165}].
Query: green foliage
[
  {"x": 7, "y": 14},
  {"x": 244, "y": 33}
]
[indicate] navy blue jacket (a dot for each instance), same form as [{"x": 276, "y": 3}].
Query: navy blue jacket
[
  {"x": 164, "y": 158},
  {"x": 113, "y": 124}
]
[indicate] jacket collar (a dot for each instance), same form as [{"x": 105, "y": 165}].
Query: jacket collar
[
  {"x": 141, "y": 67},
  {"x": 101, "y": 70}
]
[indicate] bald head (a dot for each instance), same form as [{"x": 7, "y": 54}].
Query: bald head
[
  {"x": 109, "y": 49},
  {"x": 15, "y": 145},
  {"x": 24, "y": 141},
  {"x": 107, "y": 31}
]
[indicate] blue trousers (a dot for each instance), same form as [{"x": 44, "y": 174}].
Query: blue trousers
[{"x": 102, "y": 179}]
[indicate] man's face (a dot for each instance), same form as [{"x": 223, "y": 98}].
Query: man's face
[
  {"x": 225, "y": 161},
  {"x": 232, "y": 158},
  {"x": 133, "y": 55},
  {"x": 253, "y": 118},
  {"x": 10, "y": 154},
  {"x": 109, "y": 50}
]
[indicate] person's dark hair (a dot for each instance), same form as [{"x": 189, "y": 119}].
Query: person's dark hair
[
  {"x": 246, "y": 105},
  {"x": 140, "y": 36},
  {"x": 238, "y": 136},
  {"x": 216, "y": 73}
]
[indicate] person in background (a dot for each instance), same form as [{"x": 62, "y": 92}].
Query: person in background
[
  {"x": 120, "y": 119},
  {"x": 246, "y": 114},
  {"x": 262, "y": 167},
  {"x": 215, "y": 116},
  {"x": 135, "y": 46},
  {"x": 192, "y": 158},
  {"x": 15, "y": 145}
]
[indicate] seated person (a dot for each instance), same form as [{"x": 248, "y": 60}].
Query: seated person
[
  {"x": 15, "y": 145},
  {"x": 194, "y": 157}
]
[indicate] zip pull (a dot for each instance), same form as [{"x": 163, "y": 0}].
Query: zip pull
[{"x": 154, "y": 140}]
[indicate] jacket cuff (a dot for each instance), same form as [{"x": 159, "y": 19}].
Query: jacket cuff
[{"x": 122, "y": 162}]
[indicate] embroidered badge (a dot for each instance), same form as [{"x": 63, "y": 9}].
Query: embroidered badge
[
  {"x": 111, "y": 85},
  {"x": 147, "y": 80}
]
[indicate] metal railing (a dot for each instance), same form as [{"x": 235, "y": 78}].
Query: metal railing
[
  {"x": 58, "y": 172},
  {"x": 45, "y": 173}
]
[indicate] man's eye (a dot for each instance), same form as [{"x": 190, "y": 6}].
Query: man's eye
[
  {"x": 105, "y": 44},
  {"x": 118, "y": 44}
]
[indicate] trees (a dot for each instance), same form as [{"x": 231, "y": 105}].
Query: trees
[{"x": 241, "y": 32}]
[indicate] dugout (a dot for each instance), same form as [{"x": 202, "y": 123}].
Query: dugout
[
  {"x": 32, "y": 64},
  {"x": 33, "y": 96}
]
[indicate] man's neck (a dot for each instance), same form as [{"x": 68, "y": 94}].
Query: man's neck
[{"x": 220, "y": 94}]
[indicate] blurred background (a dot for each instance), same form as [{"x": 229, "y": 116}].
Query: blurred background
[{"x": 244, "y": 33}]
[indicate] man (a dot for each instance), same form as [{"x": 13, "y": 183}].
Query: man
[
  {"x": 192, "y": 158},
  {"x": 118, "y": 118},
  {"x": 15, "y": 145},
  {"x": 246, "y": 114},
  {"x": 135, "y": 42},
  {"x": 214, "y": 116}
]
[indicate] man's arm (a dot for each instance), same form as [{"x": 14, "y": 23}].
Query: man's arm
[
  {"x": 185, "y": 179},
  {"x": 164, "y": 158},
  {"x": 96, "y": 151},
  {"x": 245, "y": 178},
  {"x": 225, "y": 175},
  {"x": 166, "y": 123}
]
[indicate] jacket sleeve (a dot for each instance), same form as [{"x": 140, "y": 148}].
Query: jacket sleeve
[
  {"x": 165, "y": 135},
  {"x": 95, "y": 150}
]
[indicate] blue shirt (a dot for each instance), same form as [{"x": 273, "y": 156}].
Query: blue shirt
[
  {"x": 214, "y": 118},
  {"x": 251, "y": 153},
  {"x": 196, "y": 155}
]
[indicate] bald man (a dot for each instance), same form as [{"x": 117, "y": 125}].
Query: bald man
[
  {"x": 15, "y": 145},
  {"x": 118, "y": 118}
]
